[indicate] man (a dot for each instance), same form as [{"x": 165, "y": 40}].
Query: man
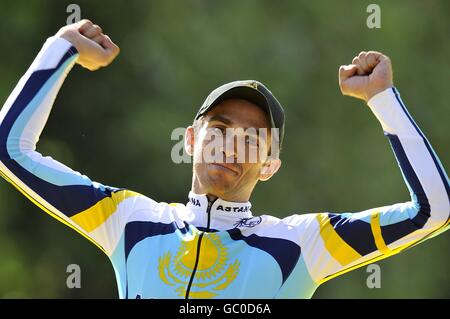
[{"x": 214, "y": 247}]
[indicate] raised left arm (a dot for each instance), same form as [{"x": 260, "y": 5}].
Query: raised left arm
[{"x": 335, "y": 243}]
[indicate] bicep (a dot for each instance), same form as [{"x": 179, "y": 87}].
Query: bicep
[
  {"x": 69, "y": 196},
  {"x": 335, "y": 243}
]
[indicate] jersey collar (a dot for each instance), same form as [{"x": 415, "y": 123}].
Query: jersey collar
[{"x": 199, "y": 203}]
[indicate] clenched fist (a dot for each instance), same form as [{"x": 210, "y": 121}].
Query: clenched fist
[
  {"x": 95, "y": 48},
  {"x": 370, "y": 73}
]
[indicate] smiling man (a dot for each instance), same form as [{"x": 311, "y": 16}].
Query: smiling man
[{"x": 215, "y": 246}]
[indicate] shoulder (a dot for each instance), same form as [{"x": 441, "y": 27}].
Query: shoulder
[
  {"x": 144, "y": 208},
  {"x": 289, "y": 228},
  {"x": 293, "y": 221}
]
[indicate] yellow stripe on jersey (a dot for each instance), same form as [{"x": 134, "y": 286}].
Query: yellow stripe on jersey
[
  {"x": 376, "y": 231},
  {"x": 381, "y": 245},
  {"x": 40, "y": 204},
  {"x": 96, "y": 215},
  {"x": 336, "y": 246}
]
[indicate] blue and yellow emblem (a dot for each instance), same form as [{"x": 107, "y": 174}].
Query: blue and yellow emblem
[{"x": 213, "y": 273}]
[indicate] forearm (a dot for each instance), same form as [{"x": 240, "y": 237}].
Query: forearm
[
  {"x": 26, "y": 111},
  {"x": 421, "y": 168}
]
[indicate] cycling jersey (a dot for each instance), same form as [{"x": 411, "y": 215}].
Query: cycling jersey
[{"x": 216, "y": 249}]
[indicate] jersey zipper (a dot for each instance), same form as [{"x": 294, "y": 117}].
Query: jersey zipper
[{"x": 197, "y": 257}]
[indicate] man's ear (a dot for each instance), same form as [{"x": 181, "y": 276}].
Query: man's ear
[
  {"x": 189, "y": 140},
  {"x": 270, "y": 167}
]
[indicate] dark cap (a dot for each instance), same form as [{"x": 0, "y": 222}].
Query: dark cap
[{"x": 252, "y": 91}]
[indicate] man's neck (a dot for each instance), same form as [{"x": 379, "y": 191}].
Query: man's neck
[{"x": 211, "y": 198}]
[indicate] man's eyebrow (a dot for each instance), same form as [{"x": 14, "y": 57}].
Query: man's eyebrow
[{"x": 221, "y": 118}]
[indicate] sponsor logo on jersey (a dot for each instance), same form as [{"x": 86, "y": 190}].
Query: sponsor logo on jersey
[
  {"x": 194, "y": 201},
  {"x": 248, "y": 222},
  {"x": 240, "y": 209}
]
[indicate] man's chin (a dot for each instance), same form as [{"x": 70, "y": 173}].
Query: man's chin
[{"x": 218, "y": 183}]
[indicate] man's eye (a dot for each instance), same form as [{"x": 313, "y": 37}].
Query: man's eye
[{"x": 218, "y": 130}]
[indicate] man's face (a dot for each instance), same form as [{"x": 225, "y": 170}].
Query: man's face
[{"x": 231, "y": 174}]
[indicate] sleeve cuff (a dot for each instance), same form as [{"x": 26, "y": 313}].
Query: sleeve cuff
[{"x": 52, "y": 52}]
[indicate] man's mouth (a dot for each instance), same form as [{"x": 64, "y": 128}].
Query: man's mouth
[{"x": 227, "y": 167}]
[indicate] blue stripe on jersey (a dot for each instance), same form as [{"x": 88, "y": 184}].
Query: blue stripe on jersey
[
  {"x": 69, "y": 200},
  {"x": 285, "y": 252},
  {"x": 47, "y": 173},
  {"x": 356, "y": 233},
  {"x": 396, "y": 231},
  {"x": 436, "y": 160},
  {"x": 139, "y": 230},
  {"x": 32, "y": 86}
]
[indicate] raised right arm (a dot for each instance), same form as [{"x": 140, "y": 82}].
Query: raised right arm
[{"x": 67, "y": 195}]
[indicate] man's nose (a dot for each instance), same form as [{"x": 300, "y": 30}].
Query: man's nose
[{"x": 230, "y": 147}]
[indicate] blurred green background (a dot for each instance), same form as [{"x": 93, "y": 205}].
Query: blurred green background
[{"x": 114, "y": 125}]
